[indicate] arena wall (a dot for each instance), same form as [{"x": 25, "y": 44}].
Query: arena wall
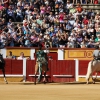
[
  {"x": 59, "y": 70},
  {"x": 59, "y": 67},
  {"x": 56, "y": 53}
]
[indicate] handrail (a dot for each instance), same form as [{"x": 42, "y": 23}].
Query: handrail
[{"x": 49, "y": 48}]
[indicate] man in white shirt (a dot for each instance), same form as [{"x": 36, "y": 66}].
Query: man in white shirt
[
  {"x": 19, "y": 13},
  {"x": 21, "y": 57}
]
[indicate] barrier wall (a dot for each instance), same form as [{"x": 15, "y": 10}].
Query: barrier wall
[
  {"x": 82, "y": 71},
  {"x": 83, "y": 64},
  {"x": 13, "y": 70},
  {"x": 62, "y": 70},
  {"x": 13, "y": 67},
  {"x": 59, "y": 70},
  {"x": 30, "y": 70}
]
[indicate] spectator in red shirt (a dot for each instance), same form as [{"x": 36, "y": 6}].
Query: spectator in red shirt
[
  {"x": 6, "y": 3},
  {"x": 1, "y": 7},
  {"x": 61, "y": 17},
  {"x": 85, "y": 21},
  {"x": 95, "y": 1}
]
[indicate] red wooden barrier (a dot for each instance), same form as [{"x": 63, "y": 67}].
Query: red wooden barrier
[
  {"x": 13, "y": 67},
  {"x": 59, "y": 70},
  {"x": 30, "y": 69},
  {"x": 8, "y": 66},
  {"x": 17, "y": 66},
  {"x": 62, "y": 70},
  {"x": 83, "y": 65}
]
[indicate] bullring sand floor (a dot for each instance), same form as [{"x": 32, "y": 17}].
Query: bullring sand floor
[{"x": 52, "y": 91}]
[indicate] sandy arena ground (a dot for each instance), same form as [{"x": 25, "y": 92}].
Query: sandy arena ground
[{"x": 49, "y": 91}]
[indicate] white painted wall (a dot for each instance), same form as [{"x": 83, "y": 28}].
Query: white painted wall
[
  {"x": 76, "y": 70},
  {"x": 24, "y": 70},
  {"x": 60, "y": 54},
  {"x": 32, "y": 52},
  {"x": 3, "y": 51}
]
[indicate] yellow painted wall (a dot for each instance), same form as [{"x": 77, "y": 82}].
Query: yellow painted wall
[
  {"x": 78, "y": 54},
  {"x": 69, "y": 54},
  {"x": 17, "y": 51},
  {"x": 53, "y": 50},
  {"x": 84, "y": 79}
]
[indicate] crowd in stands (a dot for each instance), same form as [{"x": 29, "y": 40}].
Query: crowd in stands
[{"x": 52, "y": 23}]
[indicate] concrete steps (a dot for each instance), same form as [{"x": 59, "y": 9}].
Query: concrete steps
[{"x": 94, "y": 7}]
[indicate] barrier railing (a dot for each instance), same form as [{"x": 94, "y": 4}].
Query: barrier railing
[{"x": 59, "y": 70}]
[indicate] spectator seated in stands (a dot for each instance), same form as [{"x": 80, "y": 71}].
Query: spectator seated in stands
[
  {"x": 1, "y": 7},
  {"x": 10, "y": 56},
  {"x": 10, "y": 14},
  {"x": 19, "y": 13},
  {"x": 47, "y": 22},
  {"x": 62, "y": 41},
  {"x": 21, "y": 57},
  {"x": 3, "y": 40},
  {"x": 68, "y": 6},
  {"x": 55, "y": 41}
]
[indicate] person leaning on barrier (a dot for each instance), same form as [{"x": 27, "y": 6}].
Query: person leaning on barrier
[
  {"x": 21, "y": 57},
  {"x": 10, "y": 55},
  {"x": 96, "y": 53}
]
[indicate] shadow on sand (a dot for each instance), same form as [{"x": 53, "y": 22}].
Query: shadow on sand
[{"x": 53, "y": 83}]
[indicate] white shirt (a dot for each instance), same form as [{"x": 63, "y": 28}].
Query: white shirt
[
  {"x": 69, "y": 5},
  {"x": 71, "y": 38},
  {"x": 20, "y": 4},
  {"x": 19, "y": 12},
  {"x": 27, "y": 12},
  {"x": 20, "y": 58}
]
